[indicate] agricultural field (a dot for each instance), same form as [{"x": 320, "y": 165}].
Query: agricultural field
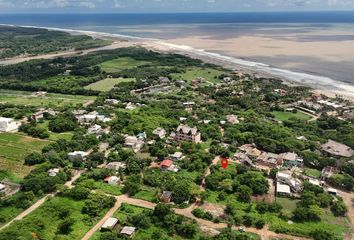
[
  {"x": 119, "y": 64},
  {"x": 49, "y": 100},
  {"x": 283, "y": 116},
  {"x": 209, "y": 74},
  {"x": 107, "y": 84},
  {"x": 13, "y": 149}
]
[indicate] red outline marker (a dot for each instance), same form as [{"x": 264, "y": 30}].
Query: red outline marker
[{"x": 224, "y": 162}]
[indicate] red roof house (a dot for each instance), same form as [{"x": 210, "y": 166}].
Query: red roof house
[{"x": 166, "y": 164}]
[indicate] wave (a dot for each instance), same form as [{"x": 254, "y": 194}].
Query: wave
[{"x": 316, "y": 81}]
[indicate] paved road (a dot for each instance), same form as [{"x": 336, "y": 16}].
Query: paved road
[
  {"x": 264, "y": 233},
  {"x": 39, "y": 203}
]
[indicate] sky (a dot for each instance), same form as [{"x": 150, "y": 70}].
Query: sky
[{"x": 158, "y": 6}]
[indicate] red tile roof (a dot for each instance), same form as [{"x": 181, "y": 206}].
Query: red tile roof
[{"x": 166, "y": 163}]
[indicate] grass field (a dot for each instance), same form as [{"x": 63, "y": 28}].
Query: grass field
[
  {"x": 13, "y": 149},
  {"x": 45, "y": 221},
  {"x": 55, "y": 136},
  {"x": 120, "y": 64},
  {"x": 107, "y": 84},
  {"x": 283, "y": 116},
  {"x": 312, "y": 172},
  {"x": 49, "y": 100},
  {"x": 208, "y": 74}
]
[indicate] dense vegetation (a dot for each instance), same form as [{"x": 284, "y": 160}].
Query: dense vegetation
[{"x": 15, "y": 41}]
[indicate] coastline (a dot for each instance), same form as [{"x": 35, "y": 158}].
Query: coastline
[{"x": 324, "y": 85}]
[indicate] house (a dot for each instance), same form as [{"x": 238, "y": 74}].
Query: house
[
  {"x": 177, "y": 156},
  {"x": 103, "y": 118},
  {"x": 332, "y": 191},
  {"x": 336, "y": 149},
  {"x": 291, "y": 159},
  {"x": 283, "y": 190},
  {"x": 232, "y": 119},
  {"x": 8, "y": 125},
  {"x": 95, "y": 129},
  {"x": 111, "y": 101},
  {"x": 78, "y": 155},
  {"x": 166, "y": 196},
  {"x": 328, "y": 172},
  {"x": 271, "y": 160},
  {"x": 159, "y": 132},
  {"x": 185, "y": 133},
  {"x": 188, "y": 104},
  {"x": 133, "y": 143},
  {"x": 141, "y": 136},
  {"x": 116, "y": 166},
  {"x": 42, "y": 112},
  {"x": 110, "y": 223},
  {"x": 2, "y": 188},
  {"x": 315, "y": 182},
  {"x": 86, "y": 118},
  {"x": 244, "y": 159},
  {"x": 250, "y": 150},
  {"x": 130, "y": 106},
  {"x": 294, "y": 183},
  {"x": 167, "y": 165},
  {"x": 227, "y": 79},
  {"x": 53, "y": 172},
  {"x": 112, "y": 180},
  {"x": 129, "y": 231}
]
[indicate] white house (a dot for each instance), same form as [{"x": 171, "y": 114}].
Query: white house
[
  {"x": 95, "y": 129},
  {"x": 112, "y": 180},
  {"x": 2, "y": 188},
  {"x": 133, "y": 143},
  {"x": 176, "y": 156},
  {"x": 53, "y": 172},
  {"x": 232, "y": 119},
  {"x": 78, "y": 155},
  {"x": 116, "y": 166},
  {"x": 110, "y": 223},
  {"x": 129, "y": 231},
  {"x": 160, "y": 132},
  {"x": 8, "y": 125},
  {"x": 282, "y": 189}
]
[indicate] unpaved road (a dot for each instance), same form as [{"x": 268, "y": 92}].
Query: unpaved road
[
  {"x": 265, "y": 234},
  {"x": 348, "y": 199},
  {"x": 39, "y": 203}
]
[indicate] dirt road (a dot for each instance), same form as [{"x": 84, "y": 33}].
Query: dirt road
[
  {"x": 39, "y": 203},
  {"x": 348, "y": 199},
  {"x": 264, "y": 233}
]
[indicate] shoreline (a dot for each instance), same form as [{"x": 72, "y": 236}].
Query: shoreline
[{"x": 322, "y": 84}]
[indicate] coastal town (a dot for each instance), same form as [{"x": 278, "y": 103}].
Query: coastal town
[{"x": 142, "y": 158}]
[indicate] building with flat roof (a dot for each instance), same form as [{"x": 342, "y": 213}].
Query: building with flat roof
[
  {"x": 8, "y": 125},
  {"x": 185, "y": 133},
  {"x": 110, "y": 223},
  {"x": 129, "y": 231},
  {"x": 283, "y": 189},
  {"x": 336, "y": 149}
]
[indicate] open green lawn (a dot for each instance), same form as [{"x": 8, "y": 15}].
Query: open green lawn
[
  {"x": 107, "y": 84},
  {"x": 13, "y": 149},
  {"x": 288, "y": 205},
  {"x": 208, "y": 74},
  {"x": 283, "y": 116},
  {"x": 44, "y": 221},
  {"x": 102, "y": 187},
  {"x": 55, "y": 136},
  {"x": 49, "y": 100},
  {"x": 312, "y": 172},
  {"x": 119, "y": 64},
  {"x": 146, "y": 193}
]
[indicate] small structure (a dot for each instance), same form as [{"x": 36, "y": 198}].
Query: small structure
[
  {"x": 227, "y": 79},
  {"x": 185, "y": 133},
  {"x": 130, "y": 106},
  {"x": 159, "y": 132},
  {"x": 2, "y": 188},
  {"x": 291, "y": 159},
  {"x": 116, "y": 166},
  {"x": 250, "y": 150},
  {"x": 177, "y": 156},
  {"x": 283, "y": 190},
  {"x": 111, "y": 101},
  {"x": 95, "y": 129},
  {"x": 53, "y": 172},
  {"x": 78, "y": 155},
  {"x": 133, "y": 143},
  {"x": 271, "y": 160},
  {"x": 129, "y": 231},
  {"x": 167, "y": 165},
  {"x": 294, "y": 183},
  {"x": 336, "y": 149},
  {"x": 166, "y": 196},
  {"x": 328, "y": 172},
  {"x": 141, "y": 135},
  {"x": 315, "y": 182},
  {"x": 332, "y": 191},
  {"x": 110, "y": 223},
  {"x": 112, "y": 180},
  {"x": 232, "y": 119},
  {"x": 188, "y": 104},
  {"x": 8, "y": 125}
]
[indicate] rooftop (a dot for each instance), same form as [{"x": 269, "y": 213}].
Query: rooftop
[{"x": 337, "y": 149}]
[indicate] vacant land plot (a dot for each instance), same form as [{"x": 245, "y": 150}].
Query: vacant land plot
[
  {"x": 117, "y": 65},
  {"x": 49, "y": 100},
  {"x": 312, "y": 172},
  {"x": 55, "y": 136},
  {"x": 209, "y": 74},
  {"x": 283, "y": 116},
  {"x": 47, "y": 218},
  {"x": 107, "y": 84},
  {"x": 13, "y": 149}
]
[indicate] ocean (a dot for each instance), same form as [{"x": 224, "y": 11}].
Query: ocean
[{"x": 308, "y": 47}]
